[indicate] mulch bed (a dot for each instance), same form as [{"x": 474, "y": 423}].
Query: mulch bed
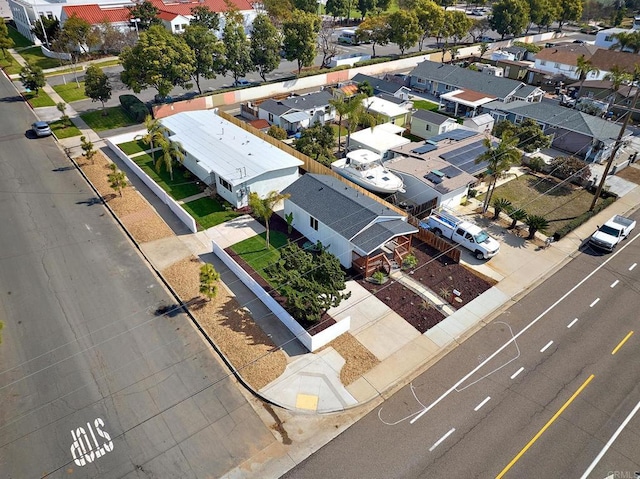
[
  {"x": 409, "y": 305},
  {"x": 439, "y": 273},
  {"x": 278, "y": 224}
]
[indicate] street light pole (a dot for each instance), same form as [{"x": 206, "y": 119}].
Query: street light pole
[
  {"x": 614, "y": 152},
  {"x": 135, "y": 21}
]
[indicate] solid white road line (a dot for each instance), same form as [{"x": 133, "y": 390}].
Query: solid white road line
[
  {"x": 437, "y": 443},
  {"x": 572, "y": 323},
  {"x": 546, "y": 346},
  {"x": 610, "y": 442},
  {"x": 522, "y": 331},
  {"x": 615, "y": 283},
  {"x": 594, "y": 302},
  {"x": 633, "y": 266},
  {"x": 513, "y": 376},
  {"x": 485, "y": 401}
]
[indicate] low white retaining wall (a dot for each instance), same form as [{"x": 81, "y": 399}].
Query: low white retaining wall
[
  {"x": 51, "y": 54},
  {"x": 310, "y": 342},
  {"x": 173, "y": 205}
]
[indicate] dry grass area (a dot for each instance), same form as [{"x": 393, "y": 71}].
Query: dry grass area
[
  {"x": 136, "y": 214},
  {"x": 630, "y": 173},
  {"x": 358, "y": 359},
  {"x": 231, "y": 328}
]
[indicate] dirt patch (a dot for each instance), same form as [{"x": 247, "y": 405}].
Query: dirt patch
[
  {"x": 229, "y": 326},
  {"x": 134, "y": 211},
  {"x": 411, "y": 307},
  {"x": 630, "y": 173},
  {"x": 358, "y": 359},
  {"x": 441, "y": 275}
]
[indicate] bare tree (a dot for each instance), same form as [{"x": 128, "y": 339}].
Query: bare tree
[{"x": 327, "y": 48}]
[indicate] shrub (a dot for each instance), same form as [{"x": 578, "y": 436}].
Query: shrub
[
  {"x": 472, "y": 193},
  {"x": 536, "y": 164},
  {"x": 410, "y": 261},
  {"x": 583, "y": 218},
  {"x": 134, "y": 107},
  {"x": 570, "y": 167}
]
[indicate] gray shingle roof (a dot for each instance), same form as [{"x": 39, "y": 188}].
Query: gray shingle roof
[
  {"x": 378, "y": 84},
  {"x": 430, "y": 116},
  {"x": 464, "y": 78},
  {"x": 525, "y": 91},
  {"x": 316, "y": 99},
  {"x": 346, "y": 211},
  {"x": 391, "y": 98},
  {"x": 561, "y": 117}
]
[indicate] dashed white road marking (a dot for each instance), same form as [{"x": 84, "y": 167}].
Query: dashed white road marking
[
  {"x": 484, "y": 401},
  {"x": 546, "y": 346},
  {"x": 572, "y": 323},
  {"x": 595, "y": 301},
  {"x": 633, "y": 266},
  {"x": 513, "y": 376},
  {"x": 615, "y": 283},
  {"x": 439, "y": 441}
]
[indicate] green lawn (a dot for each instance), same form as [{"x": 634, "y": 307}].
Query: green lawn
[
  {"x": 63, "y": 131},
  {"x": 19, "y": 40},
  {"x": 35, "y": 56},
  {"x": 179, "y": 188},
  {"x": 115, "y": 118},
  {"x": 534, "y": 195},
  {"x": 9, "y": 64},
  {"x": 253, "y": 250},
  {"x": 41, "y": 99},
  {"x": 208, "y": 212},
  {"x": 335, "y": 131},
  {"x": 70, "y": 92},
  {"x": 132, "y": 147},
  {"x": 425, "y": 105}
]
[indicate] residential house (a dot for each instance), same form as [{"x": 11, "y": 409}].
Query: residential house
[
  {"x": 438, "y": 79},
  {"x": 575, "y": 132},
  {"x": 401, "y": 102},
  {"x": 388, "y": 111},
  {"x": 359, "y": 230},
  {"x": 519, "y": 53},
  {"x": 516, "y": 70},
  {"x": 561, "y": 60},
  {"x": 298, "y": 111},
  {"x": 430, "y": 181},
  {"x": 459, "y": 147},
  {"x": 383, "y": 86},
  {"x": 603, "y": 90},
  {"x": 380, "y": 139},
  {"x": 425, "y": 124},
  {"x": 118, "y": 17},
  {"x": 605, "y": 60},
  {"x": 173, "y": 22},
  {"x": 606, "y": 38},
  {"x": 480, "y": 123},
  {"x": 228, "y": 158}
]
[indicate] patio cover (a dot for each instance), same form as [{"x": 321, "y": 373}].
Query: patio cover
[{"x": 296, "y": 116}]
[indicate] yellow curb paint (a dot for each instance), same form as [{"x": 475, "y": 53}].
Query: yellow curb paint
[
  {"x": 621, "y": 343},
  {"x": 545, "y": 427},
  {"x": 307, "y": 401}
]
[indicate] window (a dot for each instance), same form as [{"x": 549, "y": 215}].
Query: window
[
  {"x": 543, "y": 62},
  {"x": 518, "y": 119},
  {"x": 427, "y": 127},
  {"x": 270, "y": 117},
  {"x": 556, "y": 65},
  {"x": 608, "y": 38},
  {"x": 421, "y": 81},
  {"x": 313, "y": 223},
  {"x": 225, "y": 184}
]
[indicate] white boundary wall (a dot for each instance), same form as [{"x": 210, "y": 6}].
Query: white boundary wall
[
  {"x": 310, "y": 342},
  {"x": 173, "y": 205}
]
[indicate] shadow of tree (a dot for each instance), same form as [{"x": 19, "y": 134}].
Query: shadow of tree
[{"x": 549, "y": 187}]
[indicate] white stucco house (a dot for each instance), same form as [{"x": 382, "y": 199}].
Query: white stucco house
[
  {"x": 562, "y": 60},
  {"x": 229, "y": 159},
  {"x": 352, "y": 226},
  {"x": 298, "y": 111}
]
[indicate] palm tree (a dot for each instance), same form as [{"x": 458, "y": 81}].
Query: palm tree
[
  {"x": 516, "y": 215},
  {"x": 263, "y": 207},
  {"x": 499, "y": 159},
  {"x": 343, "y": 107},
  {"x": 171, "y": 151},
  {"x": 360, "y": 115},
  {"x": 617, "y": 76},
  {"x": 630, "y": 40},
  {"x": 155, "y": 132},
  {"x": 583, "y": 68},
  {"x": 535, "y": 223},
  {"x": 500, "y": 204}
]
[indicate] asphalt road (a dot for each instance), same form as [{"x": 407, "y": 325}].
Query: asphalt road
[
  {"x": 538, "y": 393},
  {"x": 94, "y": 381}
]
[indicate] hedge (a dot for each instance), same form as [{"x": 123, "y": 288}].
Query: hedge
[{"x": 134, "y": 107}]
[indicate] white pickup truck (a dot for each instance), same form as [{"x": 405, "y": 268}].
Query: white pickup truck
[
  {"x": 466, "y": 234},
  {"x": 612, "y": 232}
]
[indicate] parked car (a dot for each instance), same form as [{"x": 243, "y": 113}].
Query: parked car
[
  {"x": 41, "y": 128},
  {"x": 478, "y": 12},
  {"x": 485, "y": 39},
  {"x": 590, "y": 29},
  {"x": 242, "y": 82},
  {"x": 162, "y": 99},
  {"x": 612, "y": 232},
  {"x": 579, "y": 41}
]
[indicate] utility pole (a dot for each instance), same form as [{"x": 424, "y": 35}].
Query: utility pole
[{"x": 615, "y": 149}]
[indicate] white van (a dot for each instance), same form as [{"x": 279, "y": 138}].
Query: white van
[{"x": 348, "y": 37}]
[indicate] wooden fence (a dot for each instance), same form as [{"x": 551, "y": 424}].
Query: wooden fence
[
  {"x": 310, "y": 165},
  {"x": 442, "y": 245}
]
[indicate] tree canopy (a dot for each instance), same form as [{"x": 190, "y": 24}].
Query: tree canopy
[
  {"x": 208, "y": 52},
  {"x": 404, "y": 29},
  {"x": 237, "y": 55},
  {"x": 97, "y": 85},
  {"x": 6, "y": 41},
  {"x": 317, "y": 142},
  {"x": 147, "y": 13},
  {"x": 160, "y": 60},
  {"x": 32, "y": 77},
  {"x": 299, "y": 41},
  {"x": 205, "y": 17},
  {"x": 510, "y": 17},
  {"x": 265, "y": 46},
  {"x": 529, "y": 134}
]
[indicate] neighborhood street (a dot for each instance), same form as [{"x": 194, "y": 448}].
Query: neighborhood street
[
  {"x": 99, "y": 375},
  {"x": 537, "y": 393}
]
